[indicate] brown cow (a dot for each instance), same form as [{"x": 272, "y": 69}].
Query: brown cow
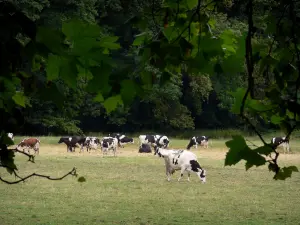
[{"x": 28, "y": 143}]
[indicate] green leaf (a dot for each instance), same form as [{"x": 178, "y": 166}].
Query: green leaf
[
  {"x": 128, "y": 90},
  {"x": 170, "y": 33},
  {"x": 239, "y": 150},
  {"x": 275, "y": 119},
  {"x": 19, "y": 98},
  {"x": 53, "y": 39},
  {"x": 81, "y": 179},
  {"x": 109, "y": 42},
  {"x": 139, "y": 39},
  {"x": 100, "y": 81},
  {"x": 111, "y": 103},
  {"x": 192, "y": 3},
  {"x": 68, "y": 72},
  {"x": 53, "y": 67},
  {"x": 285, "y": 172},
  {"x": 238, "y": 99},
  {"x": 264, "y": 150},
  {"x": 236, "y": 146},
  {"x": 258, "y": 106},
  {"x": 75, "y": 29},
  {"x": 99, "y": 98}
]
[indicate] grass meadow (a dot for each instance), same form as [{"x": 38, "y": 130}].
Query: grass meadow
[{"x": 132, "y": 189}]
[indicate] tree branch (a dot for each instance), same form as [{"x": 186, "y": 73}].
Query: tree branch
[{"x": 72, "y": 172}]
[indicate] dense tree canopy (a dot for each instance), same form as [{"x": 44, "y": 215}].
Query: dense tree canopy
[{"x": 158, "y": 65}]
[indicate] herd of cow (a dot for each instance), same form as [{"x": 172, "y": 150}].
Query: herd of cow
[{"x": 183, "y": 160}]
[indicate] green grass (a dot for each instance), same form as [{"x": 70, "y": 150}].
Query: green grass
[{"x": 132, "y": 189}]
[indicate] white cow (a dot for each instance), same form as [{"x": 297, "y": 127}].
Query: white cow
[
  {"x": 182, "y": 160},
  {"x": 109, "y": 143}
]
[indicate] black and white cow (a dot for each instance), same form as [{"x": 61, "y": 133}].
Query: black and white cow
[
  {"x": 195, "y": 141},
  {"x": 182, "y": 160},
  {"x": 281, "y": 142},
  {"x": 72, "y": 142},
  {"x": 122, "y": 139},
  {"x": 147, "y": 139},
  {"x": 162, "y": 141},
  {"x": 11, "y": 136},
  {"x": 91, "y": 143},
  {"x": 109, "y": 143},
  {"x": 145, "y": 148},
  {"x": 155, "y": 140}
]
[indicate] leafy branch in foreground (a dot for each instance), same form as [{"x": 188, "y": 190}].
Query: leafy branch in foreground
[{"x": 281, "y": 102}]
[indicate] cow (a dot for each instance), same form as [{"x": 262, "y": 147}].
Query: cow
[
  {"x": 108, "y": 143},
  {"x": 162, "y": 141},
  {"x": 11, "y": 136},
  {"x": 182, "y": 160},
  {"x": 281, "y": 142},
  {"x": 147, "y": 139},
  {"x": 28, "y": 143},
  {"x": 155, "y": 140},
  {"x": 194, "y": 141},
  {"x": 91, "y": 143},
  {"x": 122, "y": 139},
  {"x": 145, "y": 148},
  {"x": 71, "y": 142}
]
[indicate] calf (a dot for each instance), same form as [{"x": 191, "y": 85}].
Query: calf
[
  {"x": 202, "y": 140},
  {"x": 281, "y": 142},
  {"x": 91, "y": 143},
  {"x": 144, "y": 149},
  {"x": 28, "y": 143},
  {"x": 72, "y": 142},
  {"x": 108, "y": 143},
  {"x": 182, "y": 160}
]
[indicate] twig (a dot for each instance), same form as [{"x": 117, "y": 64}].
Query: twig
[{"x": 72, "y": 172}]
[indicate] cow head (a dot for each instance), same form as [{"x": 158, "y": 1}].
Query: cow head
[
  {"x": 157, "y": 151},
  {"x": 61, "y": 140},
  {"x": 202, "y": 176}
]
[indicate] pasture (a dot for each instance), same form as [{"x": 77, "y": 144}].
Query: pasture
[{"x": 132, "y": 189}]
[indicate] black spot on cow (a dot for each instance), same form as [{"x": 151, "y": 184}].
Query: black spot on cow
[
  {"x": 150, "y": 138},
  {"x": 195, "y": 165}
]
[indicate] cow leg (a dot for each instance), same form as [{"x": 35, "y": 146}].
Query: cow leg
[
  {"x": 181, "y": 173},
  {"x": 189, "y": 175}
]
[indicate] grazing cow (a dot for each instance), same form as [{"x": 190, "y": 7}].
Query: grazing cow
[
  {"x": 91, "y": 143},
  {"x": 281, "y": 142},
  {"x": 202, "y": 140},
  {"x": 71, "y": 142},
  {"x": 28, "y": 143},
  {"x": 122, "y": 139},
  {"x": 108, "y": 143},
  {"x": 144, "y": 149},
  {"x": 11, "y": 136},
  {"x": 182, "y": 160}
]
